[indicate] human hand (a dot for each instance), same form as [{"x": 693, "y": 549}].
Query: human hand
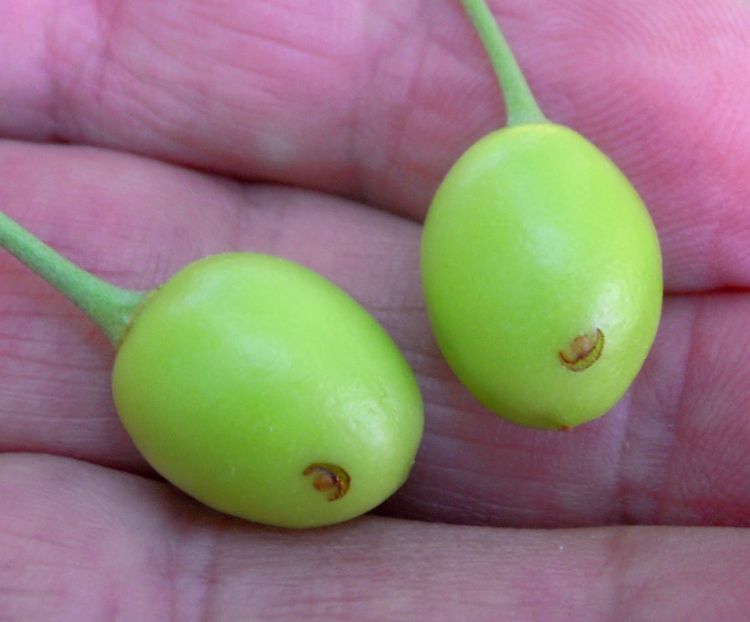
[{"x": 318, "y": 131}]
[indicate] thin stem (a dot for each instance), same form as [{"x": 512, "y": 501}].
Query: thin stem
[
  {"x": 109, "y": 306},
  {"x": 519, "y": 101}
]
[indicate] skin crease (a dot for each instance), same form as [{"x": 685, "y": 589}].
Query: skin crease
[{"x": 299, "y": 109}]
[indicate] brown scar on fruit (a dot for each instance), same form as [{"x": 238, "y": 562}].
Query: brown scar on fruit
[
  {"x": 329, "y": 478},
  {"x": 583, "y": 351}
]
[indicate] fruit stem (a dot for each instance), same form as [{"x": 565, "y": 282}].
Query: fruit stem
[
  {"x": 520, "y": 104},
  {"x": 107, "y": 305}
]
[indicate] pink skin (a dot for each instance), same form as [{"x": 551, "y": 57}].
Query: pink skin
[{"x": 372, "y": 101}]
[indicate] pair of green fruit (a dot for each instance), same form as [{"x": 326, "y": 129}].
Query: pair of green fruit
[{"x": 264, "y": 391}]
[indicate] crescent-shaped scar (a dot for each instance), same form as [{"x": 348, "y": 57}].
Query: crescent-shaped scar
[
  {"x": 583, "y": 351},
  {"x": 329, "y": 478}
]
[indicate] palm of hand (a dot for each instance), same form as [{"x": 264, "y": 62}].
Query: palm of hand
[{"x": 372, "y": 102}]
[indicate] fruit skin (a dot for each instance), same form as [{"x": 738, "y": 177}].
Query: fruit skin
[
  {"x": 533, "y": 239},
  {"x": 243, "y": 370}
]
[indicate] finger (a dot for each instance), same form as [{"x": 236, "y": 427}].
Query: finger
[
  {"x": 673, "y": 451},
  {"x": 85, "y": 543},
  {"x": 376, "y": 100},
  {"x": 135, "y": 222}
]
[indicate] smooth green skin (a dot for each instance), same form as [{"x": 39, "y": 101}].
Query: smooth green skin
[
  {"x": 534, "y": 238},
  {"x": 243, "y": 369}
]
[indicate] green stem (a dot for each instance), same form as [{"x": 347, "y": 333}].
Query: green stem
[
  {"x": 519, "y": 101},
  {"x": 109, "y": 306}
]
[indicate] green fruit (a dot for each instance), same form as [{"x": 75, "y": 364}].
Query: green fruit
[
  {"x": 540, "y": 264},
  {"x": 542, "y": 275},
  {"x": 252, "y": 383},
  {"x": 262, "y": 390}
]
